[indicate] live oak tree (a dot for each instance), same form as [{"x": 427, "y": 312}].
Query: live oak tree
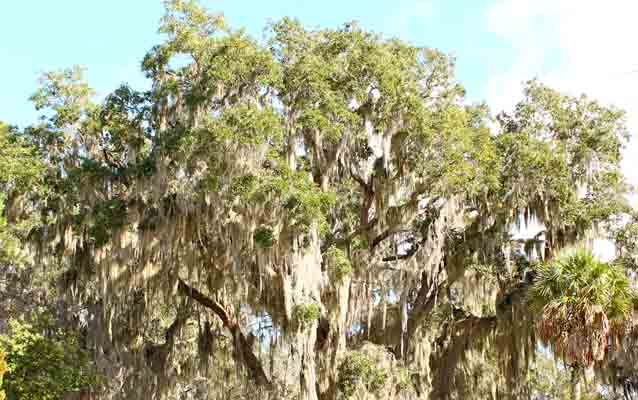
[{"x": 320, "y": 215}]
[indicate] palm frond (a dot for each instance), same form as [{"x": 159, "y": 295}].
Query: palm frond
[{"x": 583, "y": 303}]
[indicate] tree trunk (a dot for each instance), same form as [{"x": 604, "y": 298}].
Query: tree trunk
[{"x": 332, "y": 345}]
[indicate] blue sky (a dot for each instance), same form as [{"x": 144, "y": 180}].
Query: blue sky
[
  {"x": 110, "y": 37},
  {"x": 573, "y": 45}
]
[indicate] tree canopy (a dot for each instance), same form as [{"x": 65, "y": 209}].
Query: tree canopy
[{"x": 319, "y": 215}]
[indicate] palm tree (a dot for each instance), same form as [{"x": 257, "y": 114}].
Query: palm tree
[{"x": 582, "y": 304}]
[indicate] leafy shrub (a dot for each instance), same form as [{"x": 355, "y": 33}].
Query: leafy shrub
[{"x": 42, "y": 367}]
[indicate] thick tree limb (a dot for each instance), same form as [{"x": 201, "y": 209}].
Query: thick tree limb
[
  {"x": 458, "y": 336},
  {"x": 243, "y": 347},
  {"x": 424, "y": 303}
]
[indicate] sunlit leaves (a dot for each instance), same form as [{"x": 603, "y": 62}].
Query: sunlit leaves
[
  {"x": 42, "y": 367},
  {"x": 65, "y": 93},
  {"x": 246, "y": 124},
  {"x": 591, "y": 134}
]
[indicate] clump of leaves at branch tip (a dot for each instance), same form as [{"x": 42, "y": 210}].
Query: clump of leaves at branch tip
[
  {"x": 264, "y": 237},
  {"x": 66, "y": 93},
  {"x": 304, "y": 202},
  {"x": 246, "y": 124},
  {"x": 304, "y": 314},
  {"x": 339, "y": 264},
  {"x": 359, "y": 370}
]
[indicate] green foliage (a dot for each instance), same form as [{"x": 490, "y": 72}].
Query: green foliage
[
  {"x": 264, "y": 237},
  {"x": 243, "y": 186},
  {"x": 20, "y": 178},
  {"x": 65, "y": 93},
  {"x": 43, "y": 367},
  {"x": 20, "y": 164},
  {"x": 560, "y": 161},
  {"x": 304, "y": 202},
  {"x": 359, "y": 370},
  {"x": 339, "y": 263},
  {"x": 626, "y": 238},
  {"x": 107, "y": 216},
  {"x": 248, "y": 124},
  {"x": 533, "y": 158},
  {"x": 359, "y": 243},
  {"x": 304, "y": 314},
  {"x": 583, "y": 126}
]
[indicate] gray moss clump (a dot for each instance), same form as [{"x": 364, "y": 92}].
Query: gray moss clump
[
  {"x": 359, "y": 370},
  {"x": 305, "y": 314},
  {"x": 339, "y": 263},
  {"x": 264, "y": 237}
]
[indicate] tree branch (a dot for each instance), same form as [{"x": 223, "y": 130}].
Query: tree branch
[{"x": 242, "y": 344}]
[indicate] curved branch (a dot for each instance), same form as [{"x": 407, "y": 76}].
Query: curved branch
[{"x": 243, "y": 346}]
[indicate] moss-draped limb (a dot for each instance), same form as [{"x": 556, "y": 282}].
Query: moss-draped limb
[{"x": 243, "y": 346}]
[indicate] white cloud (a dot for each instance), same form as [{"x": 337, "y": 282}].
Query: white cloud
[{"x": 575, "y": 46}]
